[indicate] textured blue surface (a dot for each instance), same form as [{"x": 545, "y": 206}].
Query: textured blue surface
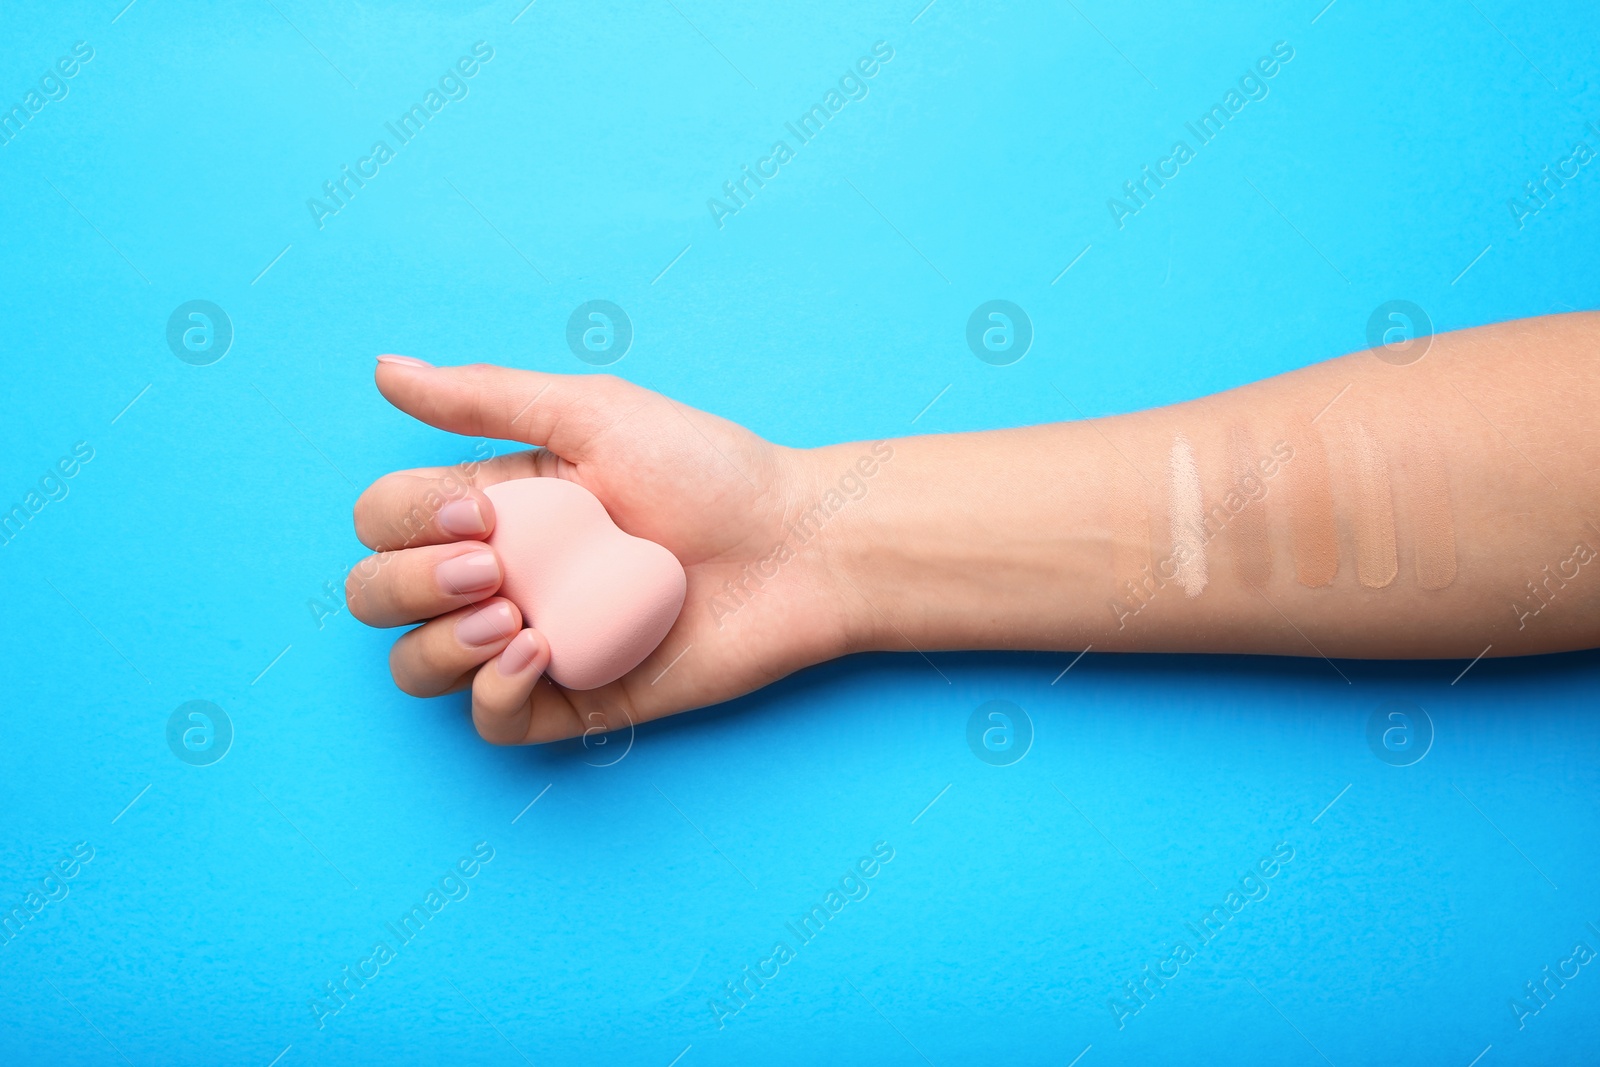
[{"x": 182, "y": 562}]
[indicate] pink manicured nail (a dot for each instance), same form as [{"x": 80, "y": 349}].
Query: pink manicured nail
[
  {"x": 475, "y": 572},
  {"x": 487, "y": 625},
  {"x": 463, "y": 518},
  {"x": 403, "y": 361},
  {"x": 519, "y": 654}
]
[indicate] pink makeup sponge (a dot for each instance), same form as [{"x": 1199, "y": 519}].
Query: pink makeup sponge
[{"x": 602, "y": 598}]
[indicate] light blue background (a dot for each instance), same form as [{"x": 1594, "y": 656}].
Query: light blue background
[{"x": 833, "y": 307}]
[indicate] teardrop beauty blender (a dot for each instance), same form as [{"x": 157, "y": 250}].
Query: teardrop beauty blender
[{"x": 604, "y": 599}]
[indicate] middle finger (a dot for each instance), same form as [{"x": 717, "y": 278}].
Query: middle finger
[
  {"x": 439, "y": 656},
  {"x": 395, "y": 588}
]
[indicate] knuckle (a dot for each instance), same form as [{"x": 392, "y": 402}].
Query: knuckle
[
  {"x": 363, "y": 514},
  {"x": 409, "y": 683},
  {"x": 415, "y": 666},
  {"x": 431, "y": 657},
  {"x": 454, "y": 484},
  {"x": 413, "y": 524},
  {"x": 481, "y": 378},
  {"x": 355, "y": 596},
  {"x": 401, "y": 674},
  {"x": 546, "y": 464},
  {"x": 373, "y": 526},
  {"x": 359, "y": 593},
  {"x": 492, "y": 728},
  {"x": 612, "y": 386}
]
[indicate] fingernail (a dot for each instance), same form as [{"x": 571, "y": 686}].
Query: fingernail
[
  {"x": 519, "y": 654},
  {"x": 403, "y": 361},
  {"x": 487, "y": 625},
  {"x": 463, "y": 518},
  {"x": 472, "y": 573}
]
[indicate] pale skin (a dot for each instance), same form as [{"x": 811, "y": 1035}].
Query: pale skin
[{"x": 1002, "y": 539}]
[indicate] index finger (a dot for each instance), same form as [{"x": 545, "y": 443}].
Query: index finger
[
  {"x": 562, "y": 412},
  {"x": 436, "y": 505}
]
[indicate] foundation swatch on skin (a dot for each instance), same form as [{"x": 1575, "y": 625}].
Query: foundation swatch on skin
[
  {"x": 1186, "y": 517},
  {"x": 1312, "y": 533},
  {"x": 1436, "y": 528},
  {"x": 1247, "y": 532},
  {"x": 1376, "y": 561}
]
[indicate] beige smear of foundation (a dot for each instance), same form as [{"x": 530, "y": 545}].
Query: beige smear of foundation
[
  {"x": 1252, "y": 552},
  {"x": 1312, "y": 533},
  {"x": 1186, "y": 517},
  {"x": 1376, "y": 561},
  {"x": 1436, "y": 530}
]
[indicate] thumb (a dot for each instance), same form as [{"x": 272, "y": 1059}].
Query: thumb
[{"x": 561, "y": 412}]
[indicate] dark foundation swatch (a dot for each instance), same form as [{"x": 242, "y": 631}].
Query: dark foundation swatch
[{"x": 1312, "y": 532}]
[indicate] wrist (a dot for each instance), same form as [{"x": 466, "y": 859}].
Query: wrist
[
  {"x": 832, "y": 521},
  {"x": 968, "y": 541}
]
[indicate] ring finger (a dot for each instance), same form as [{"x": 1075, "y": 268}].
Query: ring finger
[{"x": 439, "y": 656}]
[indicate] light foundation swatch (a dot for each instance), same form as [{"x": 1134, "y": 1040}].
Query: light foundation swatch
[
  {"x": 1430, "y": 510},
  {"x": 1186, "y": 517},
  {"x": 1376, "y": 561},
  {"x": 1247, "y": 533},
  {"x": 1312, "y": 532}
]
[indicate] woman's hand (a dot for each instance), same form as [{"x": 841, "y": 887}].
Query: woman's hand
[
  {"x": 1354, "y": 508},
  {"x": 719, "y": 497}
]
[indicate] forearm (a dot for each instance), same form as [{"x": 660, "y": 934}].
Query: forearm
[{"x": 1353, "y": 508}]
